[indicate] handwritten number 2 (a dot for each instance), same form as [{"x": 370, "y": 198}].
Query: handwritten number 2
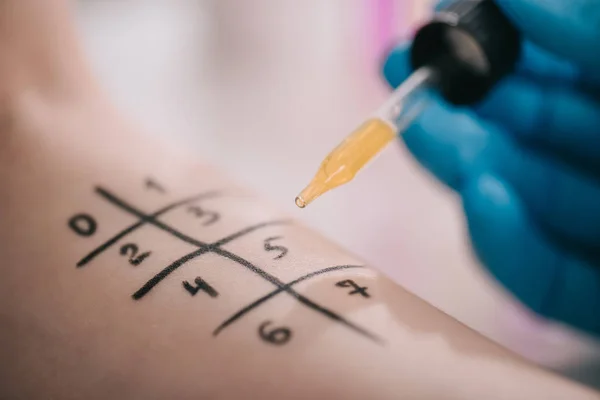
[
  {"x": 131, "y": 251},
  {"x": 281, "y": 249}
]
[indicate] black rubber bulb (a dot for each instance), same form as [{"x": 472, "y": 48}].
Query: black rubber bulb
[{"x": 471, "y": 45}]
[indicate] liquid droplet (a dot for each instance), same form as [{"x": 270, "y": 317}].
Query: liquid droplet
[{"x": 300, "y": 202}]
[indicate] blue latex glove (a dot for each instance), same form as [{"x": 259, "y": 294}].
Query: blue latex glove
[{"x": 526, "y": 161}]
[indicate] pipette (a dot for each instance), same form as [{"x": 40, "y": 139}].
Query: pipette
[{"x": 462, "y": 52}]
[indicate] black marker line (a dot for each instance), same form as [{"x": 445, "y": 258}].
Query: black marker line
[
  {"x": 205, "y": 248},
  {"x": 147, "y": 218},
  {"x": 234, "y": 257},
  {"x": 156, "y": 279},
  {"x": 332, "y": 315},
  {"x": 109, "y": 243},
  {"x": 198, "y": 243},
  {"x": 235, "y": 317},
  {"x": 140, "y": 223},
  {"x": 188, "y": 239},
  {"x": 118, "y": 202},
  {"x": 243, "y": 232},
  {"x": 304, "y": 300}
]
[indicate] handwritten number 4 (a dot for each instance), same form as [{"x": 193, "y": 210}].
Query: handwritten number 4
[
  {"x": 201, "y": 284},
  {"x": 357, "y": 289}
]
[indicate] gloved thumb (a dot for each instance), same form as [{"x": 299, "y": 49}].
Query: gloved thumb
[{"x": 568, "y": 28}]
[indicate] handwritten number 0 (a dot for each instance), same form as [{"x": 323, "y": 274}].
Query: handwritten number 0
[{"x": 83, "y": 224}]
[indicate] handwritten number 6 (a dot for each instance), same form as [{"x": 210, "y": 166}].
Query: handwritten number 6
[{"x": 277, "y": 336}]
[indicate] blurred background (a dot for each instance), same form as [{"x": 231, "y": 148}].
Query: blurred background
[{"x": 265, "y": 89}]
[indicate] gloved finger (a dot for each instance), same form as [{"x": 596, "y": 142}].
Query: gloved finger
[
  {"x": 446, "y": 141},
  {"x": 441, "y": 4},
  {"x": 552, "y": 283},
  {"x": 541, "y": 65},
  {"x": 442, "y": 138},
  {"x": 563, "y": 201},
  {"x": 452, "y": 143},
  {"x": 396, "y": 67},
  {"x": 556, "y": 118},
  {"x": 534, "y": 62},
  {"x": 569, "y": 28}
]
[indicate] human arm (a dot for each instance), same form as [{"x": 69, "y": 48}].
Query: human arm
[{"x": 69, "y": 163}]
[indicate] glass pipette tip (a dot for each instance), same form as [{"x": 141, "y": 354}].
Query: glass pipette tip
[{"x": 357, "y": 149}]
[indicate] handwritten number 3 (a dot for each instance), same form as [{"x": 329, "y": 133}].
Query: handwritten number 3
[
  {"x": 131, "y": 251},
  {"x": 201, "y": 213}
]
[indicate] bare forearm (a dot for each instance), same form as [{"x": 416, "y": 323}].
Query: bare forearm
[
  {"x": 219, "y": 296},
  {"x": 130, "y": 271},
  {"x": 40, "y": 54}
]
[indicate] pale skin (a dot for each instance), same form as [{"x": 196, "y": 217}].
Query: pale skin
[{"x": 72, "y": 332}]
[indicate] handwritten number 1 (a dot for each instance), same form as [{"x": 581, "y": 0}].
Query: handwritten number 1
[{"x": 153, "y": 185}]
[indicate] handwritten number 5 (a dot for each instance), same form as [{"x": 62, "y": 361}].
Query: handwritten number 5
[{"x": 281, "y": 249}]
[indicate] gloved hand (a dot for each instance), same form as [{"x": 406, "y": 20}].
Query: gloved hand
[{"x": 526, "y": 161}]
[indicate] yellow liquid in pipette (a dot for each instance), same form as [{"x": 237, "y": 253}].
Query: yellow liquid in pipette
[{"x": 344, "y": 162}]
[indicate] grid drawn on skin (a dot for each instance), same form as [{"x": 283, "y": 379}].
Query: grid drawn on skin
[
  {"x": 243, "y": 311},
  {"x": 130, "y": 229},
  {"x": 215, "y": 248}
]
